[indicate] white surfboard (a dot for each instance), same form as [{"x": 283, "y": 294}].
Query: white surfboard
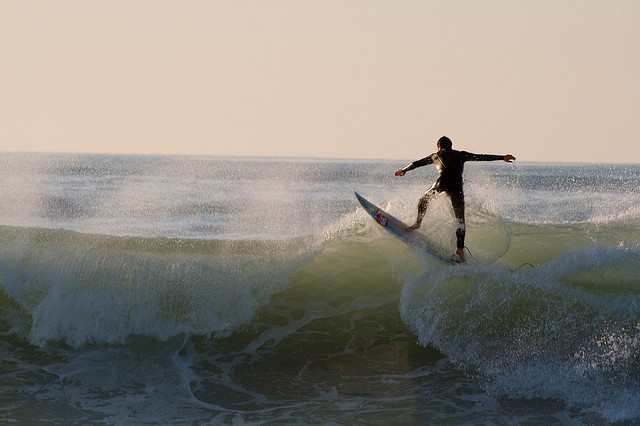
[{"x": 397, "y": 228}]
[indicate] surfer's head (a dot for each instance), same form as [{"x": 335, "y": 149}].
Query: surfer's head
[{"x": 444, "y": 143}]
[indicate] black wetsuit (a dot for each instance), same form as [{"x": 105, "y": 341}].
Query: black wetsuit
[{"x": 450, "y": 165}]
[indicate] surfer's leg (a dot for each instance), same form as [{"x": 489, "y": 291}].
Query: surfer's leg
[
  {"x": 422, "y": 209},
  {"x": 457, "y": 201}
]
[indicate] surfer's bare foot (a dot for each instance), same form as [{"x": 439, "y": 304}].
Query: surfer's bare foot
[
  {"x": 460, "y": 253},
  {"x": 412, "y": 227}
]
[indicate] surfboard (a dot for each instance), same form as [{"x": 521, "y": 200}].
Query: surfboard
[{"x": 397, "y": 228}]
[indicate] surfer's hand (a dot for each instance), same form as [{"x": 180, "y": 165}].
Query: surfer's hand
[
  {"x": 400, "y": 172},
  {"x": 509, "y": 158}
]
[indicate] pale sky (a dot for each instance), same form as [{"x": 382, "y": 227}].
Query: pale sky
[{"x": 544, "y": 80}]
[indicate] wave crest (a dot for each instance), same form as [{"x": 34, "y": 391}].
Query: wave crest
[{"x": 95, "y": 288}]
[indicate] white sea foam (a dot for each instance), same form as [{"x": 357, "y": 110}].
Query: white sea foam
[{"x": 566, "y": 329}]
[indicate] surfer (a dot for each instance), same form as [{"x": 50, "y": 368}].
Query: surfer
[{"x": 450, "y": 165}]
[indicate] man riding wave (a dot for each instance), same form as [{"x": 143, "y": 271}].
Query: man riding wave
[{"x": 450, "y": 165}]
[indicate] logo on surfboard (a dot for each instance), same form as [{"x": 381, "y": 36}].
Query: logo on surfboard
[{"x": 382, "y": 220}]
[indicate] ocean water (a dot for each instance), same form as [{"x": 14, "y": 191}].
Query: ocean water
[{"x": 181, "y": 290}]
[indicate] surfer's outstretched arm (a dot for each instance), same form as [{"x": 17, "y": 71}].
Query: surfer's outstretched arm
[
  {"x": 488, "y": 157},
  {"x": 414, "y": 165}
]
